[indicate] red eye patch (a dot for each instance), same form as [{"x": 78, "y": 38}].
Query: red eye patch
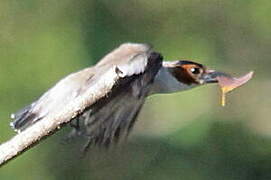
[{"x": 190, "y": 66}]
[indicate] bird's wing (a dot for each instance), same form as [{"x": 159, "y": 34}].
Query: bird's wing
[
  {"x": 111, "y": 118},
  {"x": 115, "y": 113}
]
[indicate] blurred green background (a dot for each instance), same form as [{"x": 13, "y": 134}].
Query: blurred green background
[{"x": 186, "y": 135}]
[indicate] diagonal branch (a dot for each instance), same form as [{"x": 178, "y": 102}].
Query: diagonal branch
[{"x": 50, "y": 124}]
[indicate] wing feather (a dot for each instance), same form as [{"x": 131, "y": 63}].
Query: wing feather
[{"x": 112, "y": 116}]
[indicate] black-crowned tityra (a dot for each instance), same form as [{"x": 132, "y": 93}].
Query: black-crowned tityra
[{"x": 141, "y": 73}]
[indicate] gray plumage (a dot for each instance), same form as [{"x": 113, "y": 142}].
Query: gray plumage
[{"x": 113, "y": 115}]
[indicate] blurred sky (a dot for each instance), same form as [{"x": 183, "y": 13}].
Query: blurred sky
[{"x": 186, "y": 134}]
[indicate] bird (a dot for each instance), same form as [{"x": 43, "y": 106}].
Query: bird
[{"x": 141, "y": 71}]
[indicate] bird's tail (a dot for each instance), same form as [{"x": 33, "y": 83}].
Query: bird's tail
[{"x": 23, "y": 118}]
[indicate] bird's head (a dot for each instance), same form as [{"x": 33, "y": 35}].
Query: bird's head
[{"x": 191, "y": 73}]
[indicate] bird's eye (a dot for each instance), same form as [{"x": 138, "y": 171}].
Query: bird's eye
[{"x": 195, "y": 70}]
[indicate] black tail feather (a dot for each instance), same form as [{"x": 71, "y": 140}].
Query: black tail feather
[{"x": 23, "y": 118}]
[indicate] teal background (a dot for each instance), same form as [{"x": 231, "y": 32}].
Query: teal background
[{"x": 186, "y": 135}]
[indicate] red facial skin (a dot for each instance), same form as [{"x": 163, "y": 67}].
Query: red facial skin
[{"x": 184, "y": 74}]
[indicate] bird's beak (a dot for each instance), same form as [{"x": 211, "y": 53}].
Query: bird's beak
[{"x": 210, "y": 76}]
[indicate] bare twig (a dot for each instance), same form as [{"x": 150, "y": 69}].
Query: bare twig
[{"x": 50, "y": 124}]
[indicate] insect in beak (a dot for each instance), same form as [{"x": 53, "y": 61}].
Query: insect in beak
[{"x": 226, "y": 82}]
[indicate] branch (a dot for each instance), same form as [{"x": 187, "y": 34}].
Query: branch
[{"x": 50, "y": 124}]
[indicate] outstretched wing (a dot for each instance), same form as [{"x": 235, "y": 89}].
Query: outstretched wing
[{"x": 114, "y": 114}]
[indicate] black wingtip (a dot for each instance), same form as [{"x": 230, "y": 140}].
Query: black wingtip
[
  {"x": 13, "y": 125},
  {"x": 22, "y": 119},
  {"x": 22, "y": 122}
]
